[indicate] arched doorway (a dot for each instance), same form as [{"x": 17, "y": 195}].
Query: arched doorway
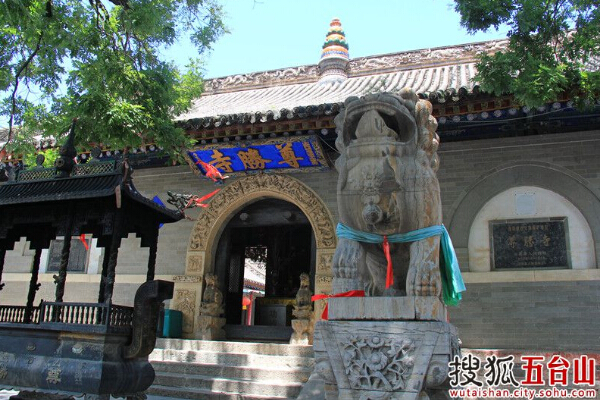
[
  {"x": 213, "y": 220},
  {"x": 260, "y": 255}
]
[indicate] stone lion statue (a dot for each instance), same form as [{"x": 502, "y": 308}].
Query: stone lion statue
[
  {"x": 212, "y": 298},
  {"x": 303, "y": 308},
  {"x": 387, "y": 185}
]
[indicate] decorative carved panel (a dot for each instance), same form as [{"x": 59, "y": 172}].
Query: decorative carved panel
[
  {"x": 195, "y": 263},
  {"x": 378, "y": 363},
  {"x": 187, "y": 278},
  {"x": 324, "y": 264},
  {"x": 185, "y": 301}
]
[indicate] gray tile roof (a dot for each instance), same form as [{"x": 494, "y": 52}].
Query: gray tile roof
[{"x": 440, "y": 70}]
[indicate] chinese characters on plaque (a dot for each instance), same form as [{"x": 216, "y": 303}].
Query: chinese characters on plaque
[
  {"x": 280, "y": 153},
  {"x": 529, "y": 243}
]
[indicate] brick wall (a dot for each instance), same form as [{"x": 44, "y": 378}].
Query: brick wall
[
  {"x": 530, "y": 316},
  {"x": 462, "y": 163}
]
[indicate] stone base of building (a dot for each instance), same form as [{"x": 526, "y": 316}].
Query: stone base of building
[
  {"x": 210, "y": 328},
  {"x": 376, "y": 356}
]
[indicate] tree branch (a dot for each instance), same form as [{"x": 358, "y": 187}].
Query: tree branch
[{"x": 13, "y": 95}]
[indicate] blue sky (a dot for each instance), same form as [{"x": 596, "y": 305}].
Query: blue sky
[{"x": 271, "y": 34}]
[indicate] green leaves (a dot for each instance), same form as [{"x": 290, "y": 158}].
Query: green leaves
[
  {"x": 101, "y": 63},
  {"x": 551, "y": 43}
]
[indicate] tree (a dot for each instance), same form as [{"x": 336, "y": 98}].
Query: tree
[
  {"x": 101, "y": 62},
  {"x": 552, "y": 44}
]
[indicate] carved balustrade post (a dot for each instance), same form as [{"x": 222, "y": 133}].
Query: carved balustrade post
[{"x": 33, "y": 285}]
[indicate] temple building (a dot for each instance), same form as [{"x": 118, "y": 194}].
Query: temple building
[{"x": 520, "y": 190}]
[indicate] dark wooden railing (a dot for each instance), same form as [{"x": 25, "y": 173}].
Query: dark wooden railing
[
  {"x": 74, "y": 313},
  {"x": 116, "y": 318},
  {"x": 121, "y": 316},
  {"x": 16, "y": 314}
]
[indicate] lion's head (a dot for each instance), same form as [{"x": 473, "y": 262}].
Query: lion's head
[
  {"x": 388, "y": 147},
  {"x": 403, "y": 118}
]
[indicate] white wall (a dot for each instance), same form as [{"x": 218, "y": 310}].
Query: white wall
[{"x": 530, "y": 202}]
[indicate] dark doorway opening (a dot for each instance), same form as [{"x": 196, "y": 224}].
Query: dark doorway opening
[{"x": 260, "y": 256}]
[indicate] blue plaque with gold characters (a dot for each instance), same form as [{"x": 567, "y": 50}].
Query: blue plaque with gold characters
[{"x": 286, "y": 154}]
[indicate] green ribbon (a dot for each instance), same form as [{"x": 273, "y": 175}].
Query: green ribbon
[{"x": 452, "y": 282}]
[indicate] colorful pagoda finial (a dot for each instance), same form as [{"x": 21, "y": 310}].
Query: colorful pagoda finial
[{"x": 334, "y": 57}]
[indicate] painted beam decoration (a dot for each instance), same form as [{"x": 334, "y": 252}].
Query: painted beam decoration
[{"x": 298, "y": 153}]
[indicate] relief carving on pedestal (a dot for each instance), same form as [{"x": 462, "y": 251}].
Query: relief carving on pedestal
[
  {"x": 284, "y": 187},
  {"x": 377, "y": 363}
]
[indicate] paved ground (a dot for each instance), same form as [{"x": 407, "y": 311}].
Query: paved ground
[{"x": 5, "y": 394}]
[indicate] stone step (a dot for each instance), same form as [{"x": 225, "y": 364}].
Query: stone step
[
  {"x": 236, "y": 347},
  {"x": 288, "y": 374},
  {"x": 203, "y": 394},
  {"x": 198, "y": 369},
  {"x": 231, "y": 359},
  {"x": 268, "y": 388}
]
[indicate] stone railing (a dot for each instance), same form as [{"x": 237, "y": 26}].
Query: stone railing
[
  {"x": 83, "y": 316},
  {"x": 16, "y": 314}
]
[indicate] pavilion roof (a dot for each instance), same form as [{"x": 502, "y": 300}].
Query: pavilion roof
[{"x": 88, "y": 181}]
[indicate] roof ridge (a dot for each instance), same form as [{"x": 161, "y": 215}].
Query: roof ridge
[{"x": 367, "y": 65}]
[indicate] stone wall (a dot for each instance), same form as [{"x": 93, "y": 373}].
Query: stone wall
[
  {"x": 472, "y": 173},
  {"x": 553, "y": 316},
  {"x": 515, "y": 310}
]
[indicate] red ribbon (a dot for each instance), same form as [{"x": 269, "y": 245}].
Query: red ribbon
[
  {"x": 352, "y": 293},
  {"x": 198, "y": 200},
  {"x": 85, "y": 244},
  {"x": 389, "y": 277},
  {"x": 211, "y": 171}
]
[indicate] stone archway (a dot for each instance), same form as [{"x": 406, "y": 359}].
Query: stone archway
[
  {"x": 531, "y": 173},
  {"x": 214, "y": 218}
]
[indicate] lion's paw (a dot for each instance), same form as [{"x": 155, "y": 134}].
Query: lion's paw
[{"x": 428, "y": 282}]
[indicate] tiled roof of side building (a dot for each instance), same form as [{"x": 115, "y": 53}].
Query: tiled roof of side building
[{"x": 439, "y": 70}]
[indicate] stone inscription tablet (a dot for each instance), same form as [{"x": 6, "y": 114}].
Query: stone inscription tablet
[{"x": 529, "y": 243}]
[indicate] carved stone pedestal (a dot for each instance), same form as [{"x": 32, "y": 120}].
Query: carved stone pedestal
[
  {"x": 302, "y": 332},
  {"x": 210, "y": 328},
  {"x": 384, "y": 352}
]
